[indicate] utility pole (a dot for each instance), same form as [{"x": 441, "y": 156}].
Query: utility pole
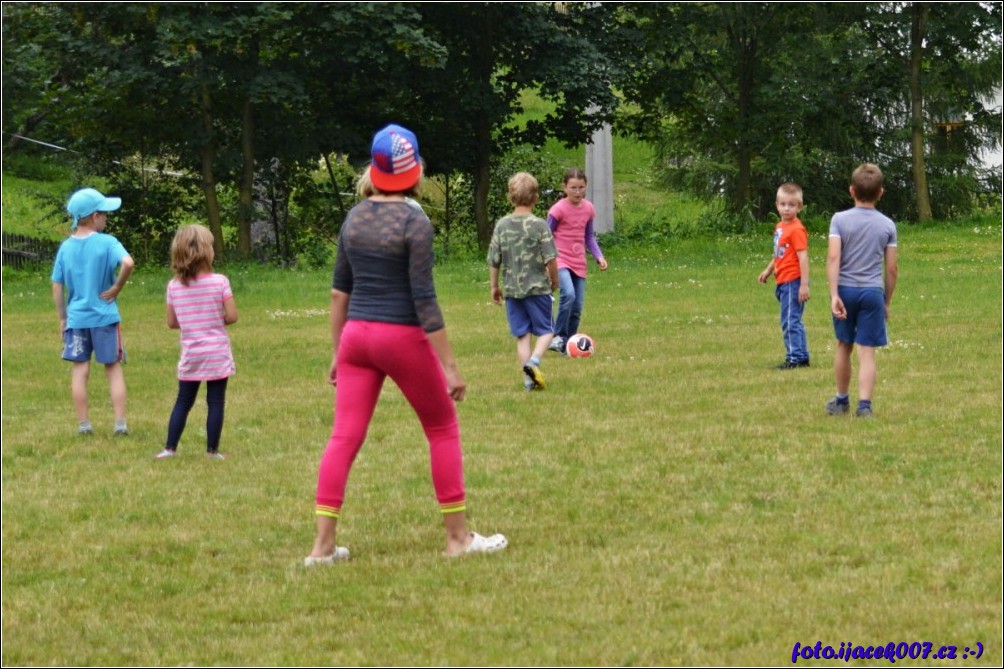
[{"x": 600, "y": 178}]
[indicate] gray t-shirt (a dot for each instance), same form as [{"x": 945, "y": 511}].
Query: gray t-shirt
[{"x": 865, "y": 233}]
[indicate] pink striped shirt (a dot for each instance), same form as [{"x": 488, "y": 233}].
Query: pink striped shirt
[{"x": 205, "y": 345}]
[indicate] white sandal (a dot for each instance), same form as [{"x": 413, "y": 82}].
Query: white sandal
[
  {"x": 483, "y": 544},
  {"x": 341, "y": 553}
]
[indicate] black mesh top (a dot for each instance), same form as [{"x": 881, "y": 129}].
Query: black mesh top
[{"x": 384, "y": 262}]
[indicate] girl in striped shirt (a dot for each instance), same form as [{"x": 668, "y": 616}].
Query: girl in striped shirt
[{"x": 201, "y": 304}]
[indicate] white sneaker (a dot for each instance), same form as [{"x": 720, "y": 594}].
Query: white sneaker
[
  {"x": 557, "y": 345},
  {"x": 341, "y": 553}
]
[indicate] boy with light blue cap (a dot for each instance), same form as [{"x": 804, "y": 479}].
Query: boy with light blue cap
[{"x": 84, "y": 289}]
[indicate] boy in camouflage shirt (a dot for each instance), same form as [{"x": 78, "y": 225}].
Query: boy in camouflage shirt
[{"x": 523, "y": 248}]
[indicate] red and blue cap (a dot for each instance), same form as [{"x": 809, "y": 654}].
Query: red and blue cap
[{"x": 396, "y": 165}]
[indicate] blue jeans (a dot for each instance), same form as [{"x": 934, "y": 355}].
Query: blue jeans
[
  {"x": 573, "y": 297},
  {"x": 795, "y": 345}
]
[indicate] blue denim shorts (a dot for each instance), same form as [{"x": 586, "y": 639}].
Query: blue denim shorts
[
  {"x": 865, "y": 322},
  {"x": 105, "y": 343},
  {"x": 530, "y": 314}
]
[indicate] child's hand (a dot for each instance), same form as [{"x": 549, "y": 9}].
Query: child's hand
[
  {"x": 764, "y": 275},
  {"x": 838, "y": 308},
  {"x": 497, "y": 295},
  {"x": 803, "y": 293},
  {"x": 603, "y": 264}
]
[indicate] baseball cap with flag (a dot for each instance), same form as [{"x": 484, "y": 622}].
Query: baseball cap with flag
[
  {"x": 86, "y": 201},
  {"x": 396, "y": 165}
]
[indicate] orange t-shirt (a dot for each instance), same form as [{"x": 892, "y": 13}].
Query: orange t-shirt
[{"x": 789, "y": 239}]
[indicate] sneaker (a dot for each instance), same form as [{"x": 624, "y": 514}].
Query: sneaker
[
  {"x": 85, "y": 431},
  {"x": 166, "y": 453},
  {"x": 215, "y": 455},
  {"x": 793, "y": 365},
  {"x": 121, "y": 432},
  {"x": 533, "y": 372},
  {"x": 835, "y": 408},
  {"x": 864, "y": 412},
  {"x": 557, "y": 345},
  {"x": 341, "y": 553}
]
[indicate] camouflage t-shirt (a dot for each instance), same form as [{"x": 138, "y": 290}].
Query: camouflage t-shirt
[{"x": 522, "y": 246}]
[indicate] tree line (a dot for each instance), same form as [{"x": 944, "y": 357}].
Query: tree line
[{"x": 736, "y": 97}]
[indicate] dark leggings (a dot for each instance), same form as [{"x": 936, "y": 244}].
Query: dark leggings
[{"x": 216, "y": 396}]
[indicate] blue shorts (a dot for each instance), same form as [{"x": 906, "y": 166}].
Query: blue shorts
[
  {"x": 529, "y": 314},
  {"x": 104, "y": 342},
  {"x": 865, "y": 322}
]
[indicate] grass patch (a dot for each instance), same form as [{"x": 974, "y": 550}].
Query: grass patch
[{"x": 672, "y": 500}]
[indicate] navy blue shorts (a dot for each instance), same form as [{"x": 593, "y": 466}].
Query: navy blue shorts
[
  {"x": 530, "y": 314},
  {"x": 865, "y": 322},
  {"x": 104, "y": 342}
]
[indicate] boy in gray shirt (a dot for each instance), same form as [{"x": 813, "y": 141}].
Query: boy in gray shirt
[{"x": 861, "y": 268}]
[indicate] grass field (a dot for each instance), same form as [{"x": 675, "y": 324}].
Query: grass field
[{"x": 672, "y": 500}]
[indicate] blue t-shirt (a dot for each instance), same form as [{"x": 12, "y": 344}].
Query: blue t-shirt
[{"x": 86, "y": 266}]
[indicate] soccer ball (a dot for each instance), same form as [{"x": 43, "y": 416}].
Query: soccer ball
[{"x": 580, "y": 346}]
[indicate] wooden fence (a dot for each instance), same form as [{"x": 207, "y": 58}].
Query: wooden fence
[{"x": 20, "y": 251}]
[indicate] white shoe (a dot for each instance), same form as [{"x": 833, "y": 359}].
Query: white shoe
[
  {"x": 482, "y": 544},
  {"x": 341, "y": 553},
  {"x": 557, "y": 345}
]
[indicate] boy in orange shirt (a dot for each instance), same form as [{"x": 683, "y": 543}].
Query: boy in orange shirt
[{"x": 790, "y": 266}]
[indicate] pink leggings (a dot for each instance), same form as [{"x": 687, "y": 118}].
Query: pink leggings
[{"x": 368, "y": 353}]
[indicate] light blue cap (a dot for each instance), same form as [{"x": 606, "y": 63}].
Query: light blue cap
[{"x": 86, "y": 201}]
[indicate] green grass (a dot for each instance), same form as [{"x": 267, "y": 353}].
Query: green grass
[{"x": 672, "y": 500}]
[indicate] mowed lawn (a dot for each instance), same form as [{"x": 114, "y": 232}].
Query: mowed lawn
[{"x": 672, "y": 500}]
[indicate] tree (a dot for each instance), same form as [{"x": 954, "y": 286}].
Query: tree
[
  {"x": 496, "y": 52},
  {"x": 737, "y": 106}
]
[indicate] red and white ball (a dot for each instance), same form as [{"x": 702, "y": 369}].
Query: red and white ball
[{"x": 580, "y": 346}]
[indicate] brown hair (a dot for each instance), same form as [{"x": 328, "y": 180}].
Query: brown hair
[
  {"x": 867, "y": 182},
  {"x": 574, "y": 173},
  {"x": 523, "y": 189},
  {"x": 192, "y": 252}
]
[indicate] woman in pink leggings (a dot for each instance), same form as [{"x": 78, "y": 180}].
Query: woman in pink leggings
[{"x": 382, "y": 295}]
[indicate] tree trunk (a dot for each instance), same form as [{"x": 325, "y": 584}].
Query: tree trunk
[
  {"x": 208, "y": 153},
  {"x": 918, "y": 31},
  {"x": 245, "y": 199},
  {"x": 483, "y": 48},
  {"x": 747, "y": 46}
]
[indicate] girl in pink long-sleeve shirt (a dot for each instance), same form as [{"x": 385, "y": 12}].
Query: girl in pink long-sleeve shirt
[{"x": 571, "y": 223}]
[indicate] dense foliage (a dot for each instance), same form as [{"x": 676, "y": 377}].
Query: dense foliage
[{"x": 266, "y": 109}]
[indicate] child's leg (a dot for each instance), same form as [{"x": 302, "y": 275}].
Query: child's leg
[
  {"x": 523, "y": 348},
  {"x": 842, "y": 367},
  {"x": 578, "y": 303},
  {"x": 187, "y": 390},
  {"x": 78, "y": 388},
  {"x": 542, "y": 344},
  {"x": 792, "y": 328},
  {"x": 867, "y": 372},
  {"x": 565, "y": 301},
  {"x": 216, "y": 399},
  {"x": 117, "y": 389}
]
